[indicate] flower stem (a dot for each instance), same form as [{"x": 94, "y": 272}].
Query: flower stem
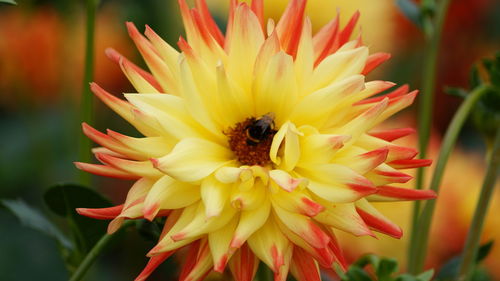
[
  {"x": 433, "y": 29},
  {"x": 95, "y": 251},
  {"x": 421, "y": 237},
  {"x": 86, "y": 99},
  {"x": 476, "y": 228}
]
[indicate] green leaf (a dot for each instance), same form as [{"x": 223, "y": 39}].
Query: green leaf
[
  {"x": 12, "y": 2},
  {"x": 426, "y": 276},
  {"x": 368, "y": 259},
  {"x": 64, "y": 199},
  {"x": 411, "y": 10},
  {"x": 484, "y": 250},
  {"x": 34, "y": 219},
  {"x": 406, "y": 277},
  {"x": 386, "y": 268},
  {"x": 356, "y": 273}
]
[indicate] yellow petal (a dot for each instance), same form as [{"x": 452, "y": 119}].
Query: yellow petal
[
  {"x": 250, "y": 221},
  {"x": 193, "y": 159},
  {"x": 315, "y": 108},
  {"x": 270, "y": 245},
  {"x": 168, "y": 193},
  {"x": 243, "y": 43},
  {"x": 275, "y": 87},
  {"x": 339, "y": 65},
  {"x": 214, "y": 195},
  {"x": 200, "y": 224},
  {"x": 219, "y": 242},
  {"x": 288, "y": 134},
  {"x": 169, "y": 112}
]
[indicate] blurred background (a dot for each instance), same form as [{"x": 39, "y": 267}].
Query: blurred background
[{"x": 41, "y": 80}]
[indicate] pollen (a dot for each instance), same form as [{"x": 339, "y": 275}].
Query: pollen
[{"x": 248, "y": 153}]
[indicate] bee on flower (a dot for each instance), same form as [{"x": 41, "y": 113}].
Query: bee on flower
[{"x": 258, "y": 143}]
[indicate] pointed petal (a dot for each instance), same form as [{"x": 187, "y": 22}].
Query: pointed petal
[
  {"x": 104, "y": 170},
  {"x": 365, "y": 162},
  {"x": 243, "y": 41},
  {"x": 214, "y": 195},
  {"x": 101, "y": 213},
  {"x": 392, "y": 193},
  {"x": 124, "y": 109},
  {"x": 303, "y": 227},
  {"x": 198, "y": 262},
  {"x": 315, "y": 108},
  {"x": 243, "y": 264},
  {"x": 270, "y": 245},
  {"x": 201, "y": 225},
  {"x": 345, "y": 218},
  {"x": 153, "y": 263},
  {"x": 138, "y": 168},
  {"x": 304, "y": 267},
  {"x": 110, "y": 143},
  {"x": 338, "y": 66},
  {"x": 374, "y": 61},
  {"x": 167, "y": 193},
  {"x": 150, "y": 146},
  {"x": 219, "y": 242},
  {"x": 250, "y": 222},
  {"x": 275, "y": 87},
  {"x": 410, "y": 163},
  {"x": 392, "y": 134},
  {"x": 376, "y": 220},
  {"x": 119, "y": 59}
]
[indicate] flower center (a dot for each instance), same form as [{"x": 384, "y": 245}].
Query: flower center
[{"x": 251, "y": 140}]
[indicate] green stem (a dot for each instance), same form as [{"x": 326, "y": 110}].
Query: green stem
[
  {"x": 476, "y": 228},
  {"x": 433, "y": 29},
  {"x": 422, "y": 228},
  {"x": 87, "y": 97},
  {"x": 95, "y": 251}
]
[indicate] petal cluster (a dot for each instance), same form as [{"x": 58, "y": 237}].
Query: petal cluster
[{"x": 326, "y": 160}]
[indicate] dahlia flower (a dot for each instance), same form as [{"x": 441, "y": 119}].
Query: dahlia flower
[
  {"x": 258, "y": 144},
  {"x": 382, "y": 36}
]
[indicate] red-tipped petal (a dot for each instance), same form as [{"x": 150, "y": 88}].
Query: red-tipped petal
[
  {"x": 258, "y": 9},
  {"x": 198, "y": 262},
  {"x": 399, "y": 193},
  {"x": 209, "y": 22},
  {"x": 380, "y": 224},
  {"x": 374, "y": 61},
  {"x": 101, "y": 213},
  {"x": 393, "y": 134},
  {"x": 303, "y": 266},
  {"x": 107, "y": 171},
  {"x": 403, "y": 90},
  {"x": 153, "y": 263},
  {"x": 120, "y": 59},
  {"x": 348, "y": 29},
  {"x": 410, "y": 163},
  {"x": 243, "y": 264}
]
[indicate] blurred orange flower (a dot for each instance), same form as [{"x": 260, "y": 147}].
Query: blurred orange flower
[{"x": 46, "y": 53}]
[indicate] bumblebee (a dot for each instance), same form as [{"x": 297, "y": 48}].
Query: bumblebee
[{"x": 260, "y": 129}]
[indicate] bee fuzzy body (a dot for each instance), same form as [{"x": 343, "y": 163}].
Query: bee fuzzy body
[{"x": 260, "y": 129}]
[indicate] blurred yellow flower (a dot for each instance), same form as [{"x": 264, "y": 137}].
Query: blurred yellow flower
[{"x": 258, "y": 143}]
